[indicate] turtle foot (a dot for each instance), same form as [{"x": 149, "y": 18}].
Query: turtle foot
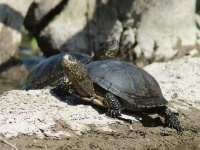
[
  {"x": 173, "y": 122},
  {"x": 59, "y": 91},
  {"x": 170, "y": 119},
  {"x": 113, "y": 113}
]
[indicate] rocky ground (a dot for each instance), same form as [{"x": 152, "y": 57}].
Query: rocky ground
[{"x": 37, "y": 120}]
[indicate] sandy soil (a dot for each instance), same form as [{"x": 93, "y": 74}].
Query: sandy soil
[
  {"x": 37, "y": 120},
  {"x": 148, "y": 133}
]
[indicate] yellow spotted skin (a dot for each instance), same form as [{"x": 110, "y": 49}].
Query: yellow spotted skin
[
  {"x": 78, "y": 75},
  {"x": 107, "y": 51}
]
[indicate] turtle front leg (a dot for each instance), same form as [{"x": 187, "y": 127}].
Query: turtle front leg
[
  {"x": 114, "y": 107},
  {"x": 170, "y": 119},
  {"x": 63, "y": 88}
]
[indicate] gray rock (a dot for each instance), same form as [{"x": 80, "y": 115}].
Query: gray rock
[
  {"x": 37, "y": 14},
  {"x": 165, "y": 20},
  {"x": 11, "y": 20},
  {"x": 36, "y": 111},
  {"x": 180, "y": 78},
  {"x": 81, "y": 28},
  {"x": 148, "y": 30}
]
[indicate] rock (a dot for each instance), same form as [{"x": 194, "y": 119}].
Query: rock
[
  {"x": 166, "y": 48},
  {"x": 38, "y": 14},
  {"x": 108, "y": 26},
  {"x": 148, "y": 31},
  {"x": 16, "y": 72},
  {"x": 81, "y": 28},
  {"x": 179, "y": 77},
  {"x": 11, "y": 20},
  {"x": 127, "y": 41},
  {"x": 162, "y": 19},
  {"x": 37, "y": 111},
  {"x": 69, "y": 28},
  {"x": 128, "y": 36},
  {"x": 194, "y": 52},
  {"x": 13, "y": 75},
  {"x": 12, "y": 72}
]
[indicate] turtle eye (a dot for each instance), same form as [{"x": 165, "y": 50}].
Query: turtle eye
[
  {"x": 110, "y": 43},
  {"x": 71, "y": 58}
]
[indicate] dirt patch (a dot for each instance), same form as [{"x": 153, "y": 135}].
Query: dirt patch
[
  {"x": 37, "y": 120},
  {"x": 123, "y": 136}
]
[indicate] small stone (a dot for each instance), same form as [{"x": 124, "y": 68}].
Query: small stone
[{"x": 194, "y": 52}]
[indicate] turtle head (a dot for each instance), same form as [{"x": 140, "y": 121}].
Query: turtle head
[
  {"x": 73, "y": 68},
  {"x": 107, "y": 51},
  {"x": 69, "y": 62},
  {"x": 77, "y": 75}
]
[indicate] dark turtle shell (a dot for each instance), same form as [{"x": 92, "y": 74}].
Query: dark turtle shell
[
  {"x": 137, "y": 89},
  {"x": 50, "y": 70}
]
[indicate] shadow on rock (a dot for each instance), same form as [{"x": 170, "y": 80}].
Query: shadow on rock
[
  {"x": 146, "y": 120},
  {"x": 72, "y": 100}
]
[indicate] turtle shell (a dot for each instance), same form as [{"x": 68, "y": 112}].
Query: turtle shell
[
  {"x": 50, "y": 70},
  {"x": 135, "y": 87}
]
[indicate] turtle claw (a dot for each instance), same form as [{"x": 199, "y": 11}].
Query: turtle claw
[
  {"x": 113, "y": 113},
  {"x": 170, "y": 119},
  {"x": 117, "y": 114},
  {"x": 174, "y": 124},
  {"x": 126, "y": 120}
]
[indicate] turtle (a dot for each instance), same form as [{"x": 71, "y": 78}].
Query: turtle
[
  {"x": 118, "y": 85},
  {"x": 50, "y": 71}
]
